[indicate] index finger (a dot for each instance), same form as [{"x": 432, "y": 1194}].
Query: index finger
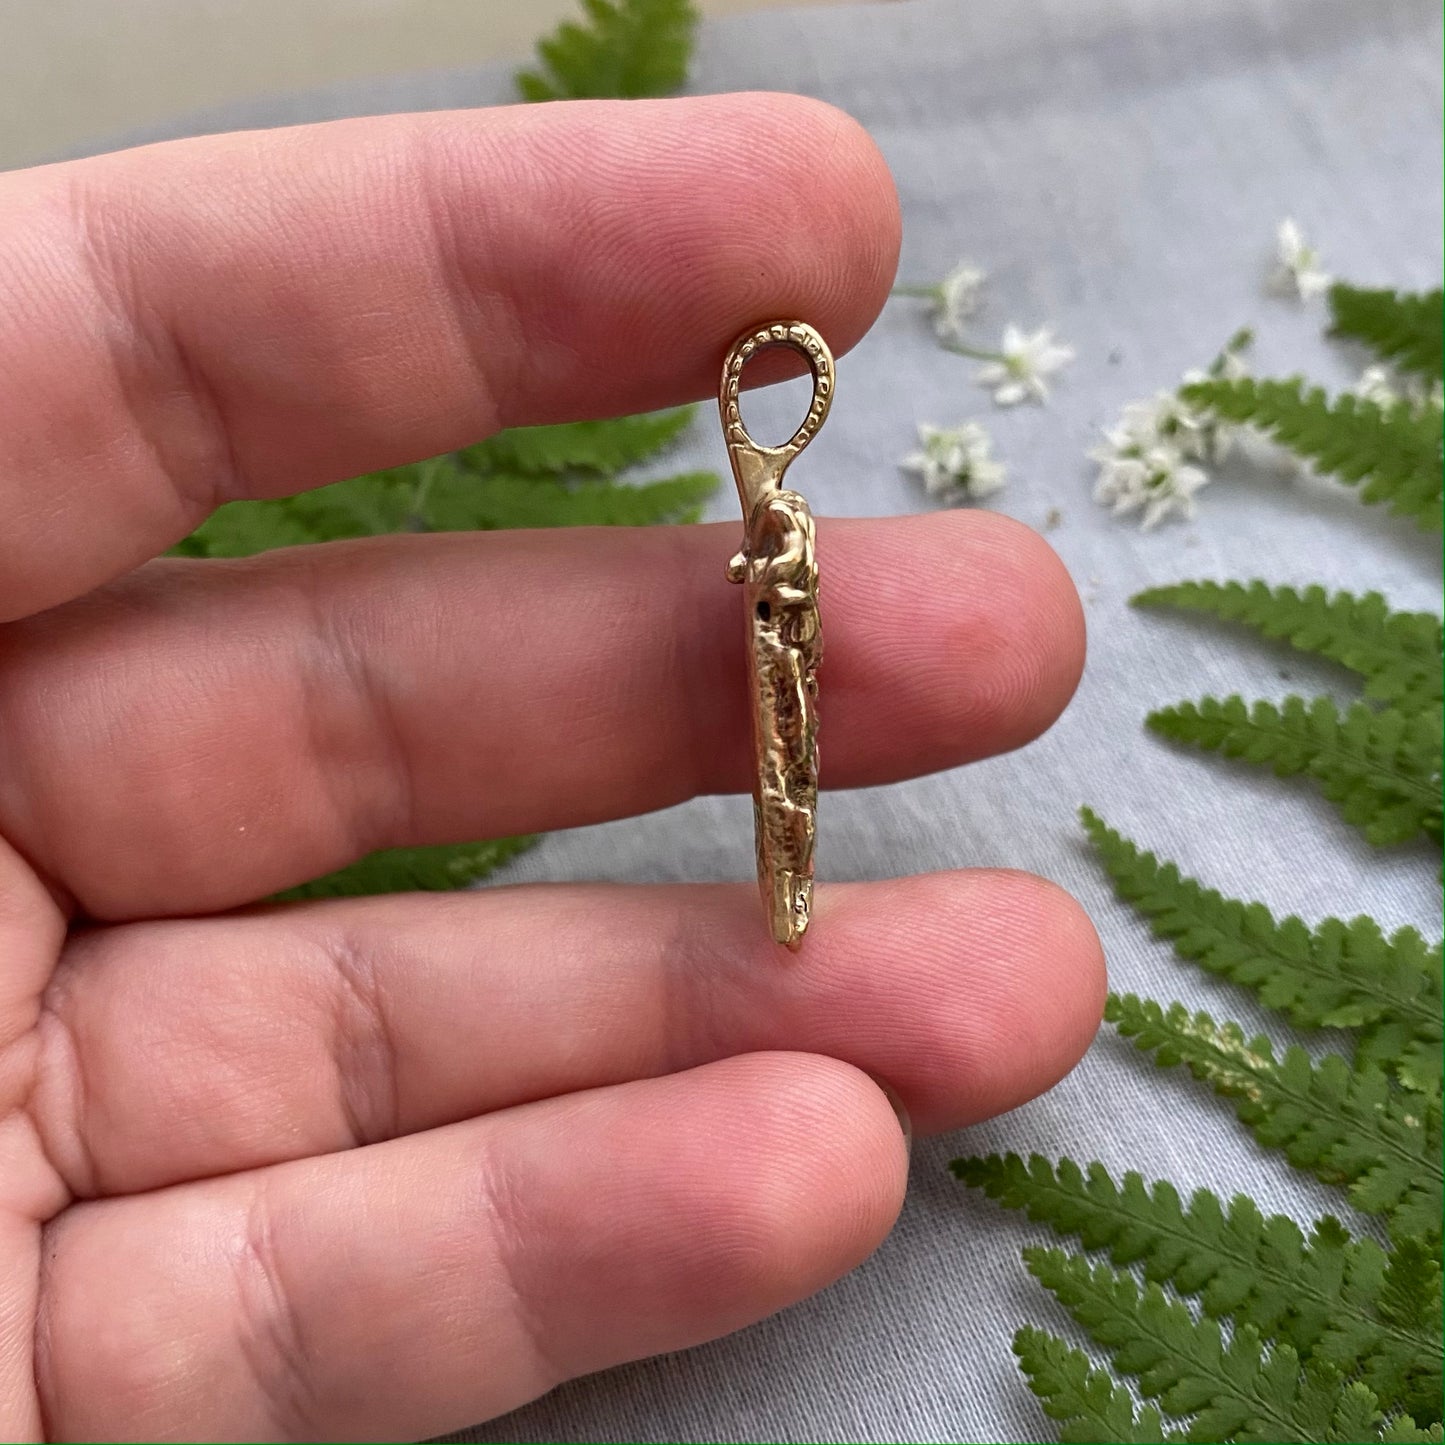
[{"x": 251, "y": 315}]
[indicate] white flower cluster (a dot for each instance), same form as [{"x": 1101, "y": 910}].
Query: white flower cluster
[
  {"x": 955, "y": 462},
  {"x": 1148, "y": 462},
  {"x": 1151, "y": 480}
]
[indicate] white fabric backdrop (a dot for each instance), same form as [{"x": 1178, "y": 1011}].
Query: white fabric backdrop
[{"x": 1119, "y": 166}]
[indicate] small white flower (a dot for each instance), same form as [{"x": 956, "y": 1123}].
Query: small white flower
[
  {"x": 1156, "y": 482},
  {"x": 955, "y": 462},
  {"x": 1297, "y": 269},
  {"x": 1024, "y": 361},
  {"x": 957, "y": 299}
]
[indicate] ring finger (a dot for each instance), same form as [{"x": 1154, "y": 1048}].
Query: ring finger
[{"x": 180, "y": 1049}]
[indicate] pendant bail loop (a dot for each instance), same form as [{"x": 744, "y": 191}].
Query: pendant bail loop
[{"x": 758, "y": 470}]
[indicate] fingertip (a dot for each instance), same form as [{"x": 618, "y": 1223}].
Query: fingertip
[
  {"x": 725, "y": 1193},
  {"x": 1049, "y": 1023},
  {"x": 806, "y": 223},
  {"x": 1037, "y": 1013},
  {"x": 689, "y": 220},
  {"x": 970, "y": 992},
  {"x": 1019, "y": 665},
  {"x": 817, "y": 1171},
  {"x": 959, "y": 635},
  {"x": 855, "y": 205}
]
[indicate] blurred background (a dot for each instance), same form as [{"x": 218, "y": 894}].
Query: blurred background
[{"x": 75, "y": 70}]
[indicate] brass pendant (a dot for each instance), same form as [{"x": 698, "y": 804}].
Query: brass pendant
[{"x": 778, "y": 569}]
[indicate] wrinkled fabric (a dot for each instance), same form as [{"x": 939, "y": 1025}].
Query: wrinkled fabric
[{"x": 1119, "y": 168}]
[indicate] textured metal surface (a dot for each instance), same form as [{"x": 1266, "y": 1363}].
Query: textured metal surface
[{"x": 777, "y": 566}]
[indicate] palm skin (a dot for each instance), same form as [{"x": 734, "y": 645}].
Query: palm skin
[{"x": 380, "y": 1168}]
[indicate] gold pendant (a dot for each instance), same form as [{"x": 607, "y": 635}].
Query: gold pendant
[{"x": 778, "y": 569}]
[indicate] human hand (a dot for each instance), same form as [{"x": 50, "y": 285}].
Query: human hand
[{"x": 384, "y": 1167}]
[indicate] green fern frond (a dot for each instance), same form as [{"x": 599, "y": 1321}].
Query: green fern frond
[
  {"x": 1336, "y": 975},
  {"x": 463, "y": 502},
  {"x": 1401, "y": 327},
  {"x": 1397, "y": 653},
  {"x": 1347, "y": 1127},
  {"x": 241, "y": 529},
  {"x": 1395, "y": 450},
  {"x": 600, "y": 447},
  {"x": 1229, "y": 1391},
  {"x": 1086, "y": 1402},
  {"x": 441, "y": 495},
  {"x": 1381, "y": 768},
  {"x": 406, "y": 870},
  {"x": 365, "y": 506},
  {"x": 1346, "y": 1302},
  {"x": 625, "y": 48}
]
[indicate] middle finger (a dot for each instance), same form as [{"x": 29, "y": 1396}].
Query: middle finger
[{"x": 201, "y": 734}]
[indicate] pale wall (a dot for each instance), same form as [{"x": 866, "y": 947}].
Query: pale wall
[{"x": 73, "y": 70}]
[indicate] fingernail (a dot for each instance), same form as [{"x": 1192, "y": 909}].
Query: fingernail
[{"x": 904, "y": 1122}]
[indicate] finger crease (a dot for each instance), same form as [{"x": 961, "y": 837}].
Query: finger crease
[
  {"x": 507, "y": 1215},
  {"x": 465, "y": 307},
  {"x": 372, "y": 820},
  {"x": 152, "y": 364},
  {"x": 271, "y": 1339},
  {"x": 364, "y": 1048},
  {"x": 64, "y": 1139}
]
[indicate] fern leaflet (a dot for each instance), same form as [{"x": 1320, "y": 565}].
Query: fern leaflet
[
  {"x": 443, "y": 496},
  {"x": 1232, "y": 1391},
  {"x": 1089, "y": 1404},
  {"x": 405, "y": 870},
  {"x": 625, "y": 49},
  {"x": 601, "y": 447},
  {"x": 1395, "y": 450},
  {"x": 1397, "y": 653},
  {"x": 497, "y": 500},
  {"x": 1380, "y": 768},
  {"x": 1403, "y": 1431},
  {"x": 1403, "y": 1290},
  {"x": 1347, "y": 1127},
  {"x": 360, "y": 507},
  {"x": 1337, "y": 975},
  {"x": 1402, "y": 328},
  {"x": 1327, "y": 1296}
]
